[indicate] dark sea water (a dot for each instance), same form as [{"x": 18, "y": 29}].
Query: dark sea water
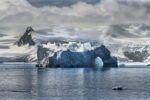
[{"x": 25, "y": 82}]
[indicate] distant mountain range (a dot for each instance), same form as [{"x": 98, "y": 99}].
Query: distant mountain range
[
  {"x": 130, "y": 43},
  {"x": 128, "y": 52},
  {"x": 120, "y": 32}
]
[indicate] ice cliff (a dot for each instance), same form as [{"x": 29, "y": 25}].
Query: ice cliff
[{"x": 100, "y": 57}]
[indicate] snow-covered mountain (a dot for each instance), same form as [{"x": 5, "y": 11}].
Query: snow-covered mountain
[
  {"x": 26, "y": 38},
  {"x": 127, "y": 53},
  {"x": 127, "y": 42},
  {"x": 124, "y": 33},
  {"x": 130, "y": 43}
]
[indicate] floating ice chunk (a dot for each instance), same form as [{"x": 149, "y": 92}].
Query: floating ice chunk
[{"x": 98, "y": 62}]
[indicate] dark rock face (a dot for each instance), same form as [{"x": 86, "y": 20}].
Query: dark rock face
[
  {"x": 26, "y": 38},
  {"x": 137, "y": 56},
  {"x": 119, "y": 88},
  {"x": 41, "y": 54},
  {"x": 85, "y": 59}
]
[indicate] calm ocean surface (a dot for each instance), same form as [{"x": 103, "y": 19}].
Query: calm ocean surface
[{"x": 26, "y": 82}]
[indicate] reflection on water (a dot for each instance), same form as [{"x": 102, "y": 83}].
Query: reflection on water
[{"x": 25, "y": 82}]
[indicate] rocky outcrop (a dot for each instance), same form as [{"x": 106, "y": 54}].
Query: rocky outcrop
[
  {"x": 26, "y": 38},
  {"x": 117, "y": 88},
  {"x": 42, "y": 55},
  {"x": 137, "y": 56},
  {"x": 82, "y": 59}
]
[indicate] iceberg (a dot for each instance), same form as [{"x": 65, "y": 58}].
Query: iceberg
[{"x": 99, "y": 57}]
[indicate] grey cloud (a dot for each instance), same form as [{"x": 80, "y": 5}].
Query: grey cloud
[{"x": 106, "y": 12}]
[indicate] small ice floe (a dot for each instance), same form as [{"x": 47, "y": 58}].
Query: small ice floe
[{"x": 117, "y": 88}]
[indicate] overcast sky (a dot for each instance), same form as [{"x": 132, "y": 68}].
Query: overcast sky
[{"x": 16, "y": 15}]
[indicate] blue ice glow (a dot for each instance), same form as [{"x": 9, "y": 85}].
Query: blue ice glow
[
  {"x": 98, "y": 63},
  {"x": 59, "y": 54}
]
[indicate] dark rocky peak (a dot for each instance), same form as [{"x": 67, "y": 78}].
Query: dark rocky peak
[
  {"x": 29, "y": 29},
  {"x": 137, "y": 56},
  {"x": 26, "y": 38}
]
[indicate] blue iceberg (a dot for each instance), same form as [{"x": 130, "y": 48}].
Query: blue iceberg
[{"x": 99, "y": 57}]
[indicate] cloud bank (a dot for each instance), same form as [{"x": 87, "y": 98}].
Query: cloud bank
[{"x": 16, "y": 15}]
